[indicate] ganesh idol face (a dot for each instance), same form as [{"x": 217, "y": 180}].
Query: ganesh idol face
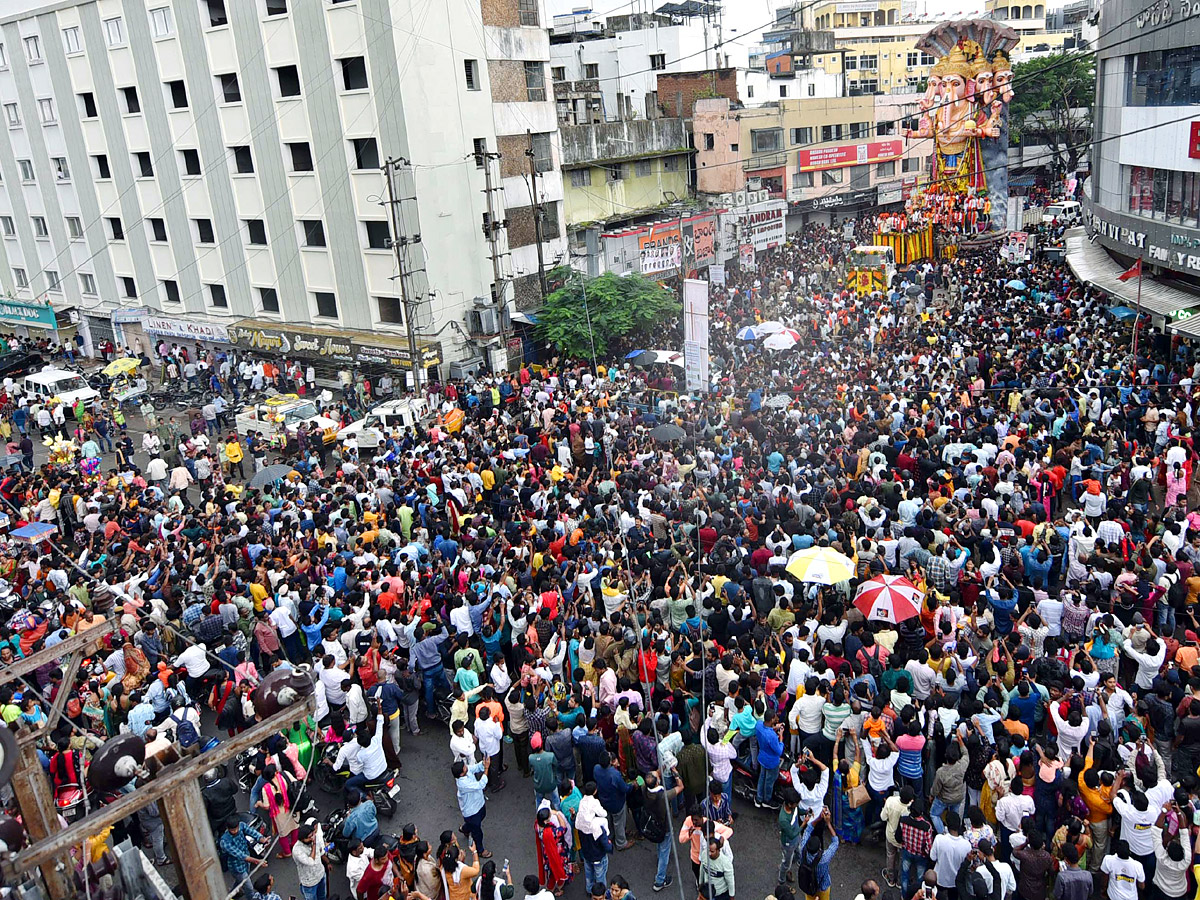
[
  {"x": 984, "y": 92},
  {"x": 954, "y": 88},
  {"x": 1004, "y": 85},
  {"x": 935, "y": 88}
]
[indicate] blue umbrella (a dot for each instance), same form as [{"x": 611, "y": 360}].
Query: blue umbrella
[
  {"x": 747, "y": 334},
  {"x": 1016, "y": 285},
  {"x": 634, "y": 353}
]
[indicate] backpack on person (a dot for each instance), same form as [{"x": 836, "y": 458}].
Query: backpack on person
[
  {"x": 806, "y": 876},
  {"x": 874, "y": 666},
  {"x": 185, "y": 732}
]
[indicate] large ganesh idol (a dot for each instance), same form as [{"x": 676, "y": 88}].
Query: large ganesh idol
[{"x": 964, "y": 112}]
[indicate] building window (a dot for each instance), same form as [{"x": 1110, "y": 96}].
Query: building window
[
  {"x": 114, "y": 32},
  {"x": 535, "y": 82},
  {"x": 144, "y": 164},
  {"x": 766, "y": 140},
  {"x": 869, "y": 62},
  {"x": 191, "y": 161},
  {"x": 21, "y": 278},
  {"x": 161, "y": 22},
  {"x": 101, "y": 165},
  {"x": 215, "y": 10},
  {"x": 74, "y": 227},
  {"x": 750, "y": 91},
  {"x": 87, "y": 104},
  {"x": 479, "y": 145},
  {"x": 27, "y": 173},
  {"x": 860, "y": 177},
  {"x": 158, "y": 230},
  {"x": 61, "y": 171},
  {"x": 710, "y": 141},
  {"x": 287, "y": 78},
  {"x": 128, "y": 287},
  {"x": 616, "y": 172},
  {"x": 216, "y": 295},
  {"x": 581, "y": 178},
  {"x": 87, "y": 283},
  {"x": 658, "y": 61},
  {"x": 33, "y": 49},
  {"x": 243, "y": 160},
  {"x": 178, "y": 94},
  {"x": 301, "y": 157},
  {"x": 354, "y": 73},
  {"x": 641, "y": 168},
  {"x": 527, "y": 13},
  {"x": 71, "y": 40},
  {"x": 203, "y": 231},
  {"x": 170, "y": 290},
  {"x": 3, "y": 58},
  {"x": 268, "y": 300},
  {"x": 831, "y": 133},
  {"x": 801, "y": 136},
  {"x": 803, "y": 179},
  {"x": 379, "y": 237},
  {"x": 591, "y": 70},
  {"x": 542, "y": 160},
  {"x": 851, "y": 63},
  {"x": 471, "y": 72},
  {"x": 831, "y": 177},
  {"x": 256, "y": 233},
  {"x": 132, "y": 104},
  {"x": 12, "y": 112},
  {"x": 39, "y": 227},
  {"x": 46, "y": 111},
  {"x": 1168, "y": 85},
  {"x": 391, "y": 310},
  {"x": 885, "y": 169},
  {"x": 326, "y": 304},
  {"x": 6, "y": 222},
  {"x": 558, "y": 73},
  {"x": 52, "y": 282},
  {"x": 366, "y": 153},
  {"x": 910, "y": 164},
  {"x": 671, "y": 164},
  {"x": 231, "y": 91},
  {"x": 783, "y": 91},
  {"x": 277, "y": 7},
  {"x": 313, "y": 232},
  {"x": 860, "y": 130},
  {"x": 885, "y": 128}
]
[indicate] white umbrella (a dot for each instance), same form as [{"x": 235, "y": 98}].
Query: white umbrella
[
  {"x": 768, "y": 328},
  {"x": 781, "y": 341}
]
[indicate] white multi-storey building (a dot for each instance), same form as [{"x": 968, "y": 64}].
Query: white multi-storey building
[{"x": 172, "y": 164}]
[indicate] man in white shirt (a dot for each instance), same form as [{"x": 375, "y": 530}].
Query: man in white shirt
[
  {"x": 1139, "y": 812},
  {"x": 462, "y": 744},
  {"x": 489, "y": 733},
  {"x": 195, "y": 660},
  {"x": 1126, "y": 876},
  {"x": 989, "y": 864},
  {"x": 332, "y": 678},
  {"x": 1148, "y": 661},
  {"x": 949, "y": 850}
]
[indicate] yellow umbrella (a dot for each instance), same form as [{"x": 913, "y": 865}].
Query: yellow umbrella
[
  {"x": 820, "y": 565},
  {"x": 122, "y": 366}
]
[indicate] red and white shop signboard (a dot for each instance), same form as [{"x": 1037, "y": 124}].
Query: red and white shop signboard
[{"x": 849, "y": 155}]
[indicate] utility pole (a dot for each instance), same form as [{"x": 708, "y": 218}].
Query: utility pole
[
  {"x": 491, "y": 233},
  {"x": 400, "y": 242},
  {"x": 537, "y": 216}
]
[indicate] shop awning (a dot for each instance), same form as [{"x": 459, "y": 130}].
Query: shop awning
[
  {"x": 332, "y": 344},
  {"x": 1091, "y": 263}
]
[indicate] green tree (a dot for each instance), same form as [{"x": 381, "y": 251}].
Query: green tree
[
  {"x": 616, "y": 306},
  {"x": 1052, "y": 106}
]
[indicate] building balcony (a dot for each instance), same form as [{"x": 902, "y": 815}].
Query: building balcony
[{"x": 633, "y": 139}]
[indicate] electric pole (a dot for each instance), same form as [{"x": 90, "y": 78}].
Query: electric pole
[
  {"x": 537, "y": 216},
  {"x": 491, "y": 232},
  {"x": 400, "y": 243}
]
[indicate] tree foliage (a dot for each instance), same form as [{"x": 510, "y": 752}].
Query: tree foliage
[
  {"x": 1052, "y": 105},
  {"x": 618, "y": 306}
]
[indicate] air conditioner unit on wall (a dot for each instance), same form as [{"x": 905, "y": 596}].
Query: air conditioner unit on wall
[{"x": 739, "y": 198}]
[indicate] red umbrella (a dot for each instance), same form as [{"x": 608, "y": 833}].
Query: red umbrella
[{"x": 888, "y": 598}]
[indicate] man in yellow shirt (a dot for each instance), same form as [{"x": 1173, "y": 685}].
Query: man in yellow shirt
[{"x": 235, "y": 454}]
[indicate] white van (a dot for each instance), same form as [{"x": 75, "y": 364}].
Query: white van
[
  {"x": 1067, "y": 212},
  {"x": 381, "y": 420},
  {"x": 64, "y": 384}
]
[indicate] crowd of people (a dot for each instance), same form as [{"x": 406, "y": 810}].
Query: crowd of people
[{"x": 610, "y": 618}]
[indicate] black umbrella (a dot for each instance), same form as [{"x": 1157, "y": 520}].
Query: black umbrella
[
  {"x": 668, "y": 432},
  {"x": 269, "y": 475}
]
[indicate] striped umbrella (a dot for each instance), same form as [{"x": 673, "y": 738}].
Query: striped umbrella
[
  {"x": 888, "y": 598},
  {"x": 820, "y": 565}
]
